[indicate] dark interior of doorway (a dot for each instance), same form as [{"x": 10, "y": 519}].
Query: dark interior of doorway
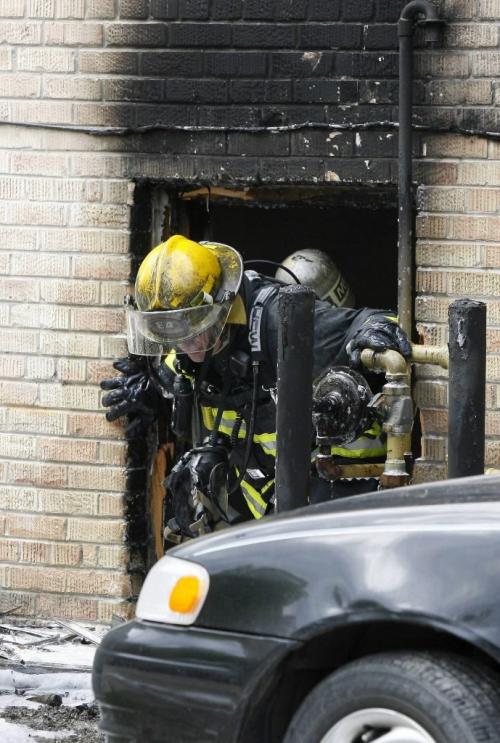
[{"x": 356, "y": 227}]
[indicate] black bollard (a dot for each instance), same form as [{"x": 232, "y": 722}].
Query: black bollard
[
  {"x": 467, "y": 378},
  {"x": 294, "y": 411}
]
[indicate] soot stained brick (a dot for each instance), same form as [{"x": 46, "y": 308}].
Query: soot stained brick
[
  {"x": 258, "y": 10},
  {"x": 322, "y": 143},
  {"x": 235, "y": 64},
  {"x": 357, "y": 10},
  {"x": 263, "y": 36},
  {"x": 389, "y": 10},
  {"x": 194, "y": 9},
  {"x": 166, "y": 115},
  {"x": 330, "y": 36},
  {"x": 324, "y": 10},
  {"x": 235, "y": 116},
  {"x": 200, "y": 34},
  {"x": 381, "y": 36},
  {"x": 165, "y": 9},
  {"x": 184, "y": 91},
  {"x": 355, "y": 114},
  {"x": 325, "y": 91},
  {"x": 258, "y": 145},
  {"x": 375, "y": 91},
  {"x": 226, "y": 10},
  {"x": 301, "y": 64},
  {"x": 291, "y": 10},
  {"x": 172, "y": 64}
]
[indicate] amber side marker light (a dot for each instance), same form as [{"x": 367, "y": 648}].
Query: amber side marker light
[{"x": 185, "y": 595}]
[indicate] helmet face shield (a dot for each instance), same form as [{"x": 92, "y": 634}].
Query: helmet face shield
[{"x": 157, "y": 333}]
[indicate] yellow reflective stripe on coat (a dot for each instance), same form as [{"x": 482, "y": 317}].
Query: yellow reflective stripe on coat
[
  {"x": 267, "y": 441},
  {"x": 255, "y": 501},
  {"x": 362, "y": 448}
]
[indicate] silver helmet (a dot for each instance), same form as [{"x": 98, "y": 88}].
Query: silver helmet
[{"x": 315, "y": 269}]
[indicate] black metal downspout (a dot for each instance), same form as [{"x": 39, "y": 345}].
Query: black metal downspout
[{"x": 406, "y": 29}]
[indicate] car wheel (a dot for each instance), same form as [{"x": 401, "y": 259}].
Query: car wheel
[{"x": 401, "y": 698}]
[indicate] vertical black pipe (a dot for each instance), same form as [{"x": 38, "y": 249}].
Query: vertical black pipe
[
  {"x": 467, "y": 378},
  {"x": 294, "y": 407},
  {"x": 406, "y": 29}
]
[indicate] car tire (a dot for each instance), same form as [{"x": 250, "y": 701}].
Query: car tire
[{"x": 434, "y": 697}]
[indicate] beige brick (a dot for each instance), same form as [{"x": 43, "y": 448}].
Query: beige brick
[
  {"x": 46, "y": 60},
  {"x": 66, "y": 554},
  {"x": 18, "y": 393},
  {"x": 113, "y": 557},
  {"x": 485, "y": 64},
  {"x": 492, "y": 423},
  {"x": 433, "y": 335},
  {"x": 69, "y": 502},
  {"x": 19, "y": 290},
  {"x": 68, "y": 607},
  {"x": 40, "y": 163},
  {"x": 18, "y": 499},
  {"x": 75, "y": 88},
  {"x": 431, "y": 282},
  {"x": 66, "y": 450},
  {"x": 101, "y": 9},
  {"x": 471, "y": 35},
  {"x": 448, "y": 254},
  {"x": 100, "y": 531},
  {"x": 493, "y": 341},
  {"x": 23, "y": 239},
  {"x": 9, "y": 551},
  {"x": 69, "y": 344},
  {"x": 12, "y": 340},
  {"x": 74, "y": 34},
  {"x": 114, "y": 267},
  {"x": 482, "y": 200},
  {"x": 41, "y": 8},
  {"x": 35, "y": 552},
  {"x": 43, "y": 264},
  {"x": 12, "y": 188},
  {"x": 113, "y": 293},
  {"x": 99, "y": 215},
  {"x": 113, "y": 452},
  {"x": 35, "y": 421},
  {"x": 38, "y": 111},
  {"x": 70, "y": 9},
  {"x": 97, "y": 370},
  {"x": 97, "y": 478},
  {"x": 40, "y": 367},
  {"x": 118, "y": 192},
  {"x": 78, "y": 397},
  {"x": 460, "y": 9},
  {"x": 492, "y": 453},
  {"x": 20, "y": 32},
  {"x": 42, "y": 316},
  {"x": 439, "y": 199},
  {"x": 428, "y": 471},
  {"x": 108, "y": 63},
  {"x": 12, "y": 212},
  {"x": 70, "y": 292},
  {"x": 434, "y": 421},
  {"x": 492, "y": 256},
  {"x": 74, "y": 141},
  {"x": 438, "y": 64},
  {"x": 434, "y": 448},
  {"x": 71, "y": 370},
  {"x": 431, "y": 394},
  {"x": 106, "y": 320},
  {"x": 35, "y": 526},
  {"x": 107, "y": 609},
  {"x": 85, "y": 241},
  {"x": 5, "y": 59},
  {"x": 436, "y": 173},
  {"x": 113, "y": 347},
  {"x": 12, "y": 8},
  {"x": 12, "y": 366},
  {"x": 474, "y": 283},
  {"x": 34, "y": 473},
  {"x": 489, "y": 9},
  {"x": 111, "y": 505},
  {"x": 20, "y": 137},
  {"x": 17, "y": 446},
  {"x": 90, "y": 555},
  {"x": 22, "y": 602},
  {"x": 95, "y": 164},
  {"x": 52, "y": 189},
  {"x": 19, "y": 86},
  {"x": 453, "y": 145},
  {"x": 481, "y": 174},
  {"x": 94, "y": 426}
]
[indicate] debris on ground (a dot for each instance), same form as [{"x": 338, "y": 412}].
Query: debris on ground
[{"x": 45, "y": 681}]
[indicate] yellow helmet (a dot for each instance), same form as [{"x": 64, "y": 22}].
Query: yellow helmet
[
  {"x": 177, "y": 274},
  {"x": 183, "y": 289}
]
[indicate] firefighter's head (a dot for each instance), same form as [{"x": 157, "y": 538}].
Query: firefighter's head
[{"x": 183, "y": 295}]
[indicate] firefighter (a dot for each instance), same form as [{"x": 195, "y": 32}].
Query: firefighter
[
  {"x": 215, "y": 326},
  {"x": 315, "y": 269}
]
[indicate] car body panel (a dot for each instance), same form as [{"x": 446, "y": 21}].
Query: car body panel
[{"x": 156, "y": 682}]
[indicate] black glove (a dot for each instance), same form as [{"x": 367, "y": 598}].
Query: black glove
[
  {"x": 193, "y": 483},
  {"x": 379, "y": 332},
  {"x": 132, "y": 393}
]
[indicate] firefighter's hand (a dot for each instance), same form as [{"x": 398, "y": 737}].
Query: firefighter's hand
[
  {"x": 131, "y": 393},
  {"x": 380, "y": 332}
]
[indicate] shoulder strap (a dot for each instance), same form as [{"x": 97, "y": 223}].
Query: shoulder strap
[{"x": 255, "y": 320}]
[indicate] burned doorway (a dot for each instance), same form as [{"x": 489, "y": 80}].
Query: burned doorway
[{"x": 355, "y": 226}]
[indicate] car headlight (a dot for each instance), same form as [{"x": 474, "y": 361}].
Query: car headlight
[{"x": 174, "y": 592}]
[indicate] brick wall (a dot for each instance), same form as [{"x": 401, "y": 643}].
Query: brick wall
[{"x": 99, "y": 95}]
